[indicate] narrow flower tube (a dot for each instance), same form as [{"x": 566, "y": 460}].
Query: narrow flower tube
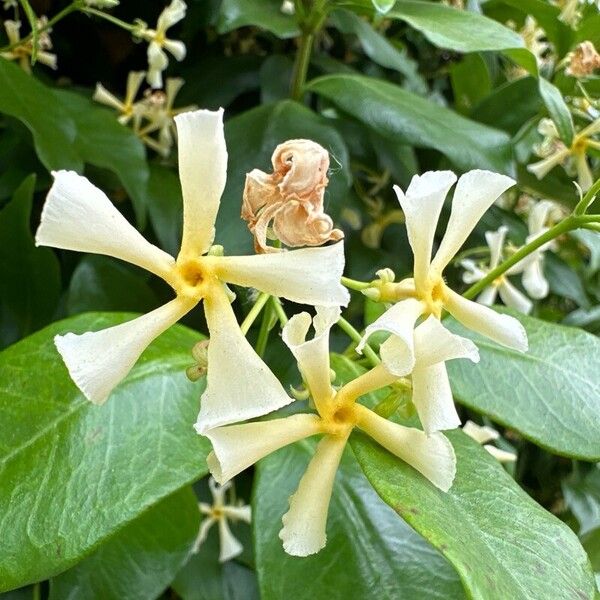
[
  {"x": 304, "y": 525},
  {"x": 236, "y": 447}
]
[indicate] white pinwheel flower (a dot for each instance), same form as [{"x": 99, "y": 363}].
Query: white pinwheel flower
[
  {"x": 483, "y": 435},
  {"x": 532, "y": 266},
  {"x": 22, "y": 51},
  {"x": 221, "y": 513},
  {"x": 427, "y": 294},
  {"x": 510, "y": 295},
  {"x": 79, "y": 216},
  {"x": 236, "y": 447},
  {"x": 158, "y": 42}
]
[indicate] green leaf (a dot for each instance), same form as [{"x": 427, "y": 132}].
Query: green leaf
[
  {"x": 564, "y": 280},
  {"x": 395, "y": 113},
  {"x": 251, "y": 139},
  {"x": 53, "y": 130},
  {"x": 29, "y": 276},
  {"x": 582, "y": 496},
  {"x": 591, "y": 543},
  {"x": 471, "y": 82},
  {"x": 265, "y": 14},
  {"x": 499, "y": 540},
  {"x": 141, "y": 560},
  {"x": 558, "y": 110},
  {"x": 550, "y": 394},
  {"x": 370, "y": 553},
  {"x": 74, "y": 473},
  {"x": 102, "y": 283}
]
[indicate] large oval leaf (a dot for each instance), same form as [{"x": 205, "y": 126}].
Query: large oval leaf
[
  {"x": 501, "y": 542},
  {"x": 140, "y": 561},
  {"x": 395, "y": 113},
  {"x": 73, "y": 473},
  {"x": 550, "y": 394}
]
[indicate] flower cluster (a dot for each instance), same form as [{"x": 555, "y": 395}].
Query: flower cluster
[{"x": 240, "y": 387}]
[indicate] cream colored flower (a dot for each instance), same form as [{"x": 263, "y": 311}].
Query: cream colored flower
[
  {"x": 221, "y": 513},
  {"x": 428, "y": 295},
  {"x": 554, "y": 152},
  {"x": 158, "y": 42},
  {"x": 236, "y": 447},
  {"x": 22, "y": 52},
  {"x": 583, "y": 61},
  {"x": 483, "y": 435},
  {"x": 288, "y": 7},
  {"x": 101, "y": 4},
  {"x": 128, "y": 109},
  {"x": 532, "y": 267},
  {"x": 535, "y": 40},
  {"x": 159, "y": 115},
  {"x": 291, "y": 197},
  {"x": 78, "y": 216},
  {"x": 474, "y": 272}
]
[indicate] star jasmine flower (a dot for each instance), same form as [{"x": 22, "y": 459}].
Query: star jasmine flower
[
  {"x": 483, "y": 435},
  {"x": 221, "y": 513},
  {"x": 22, "y": 52},
  {"x": 428, "y": 295},
  {"x": 158, "y": 42},
  {"x": 128, "y": 109},
  {"x": 236, "y": 447},
  {"x": 78, "y": 216},
  {"x": 474, "y": 272}
]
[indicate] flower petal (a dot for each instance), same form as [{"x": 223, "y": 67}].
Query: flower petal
[
  {"x": 98, "y": 361},
  {"x": 307, "y": 276},
  {"x": 488, "y": 295},
  {"x": 102, "y": 95},
  {"x": 237, "y": 447},
  {"x": 503, "y": 329},
  {"x": 435, "y": 344},
  {"x": 171, "y": 14},
  {"x": 203, "y": 172},
  {"x": 473, "y": 272},
  {"x": 480, "y": 433},
  {"x": 538, "y": 215},
  {"x": 203, "y": 533},
  {"x": 230, "y": 545},
  {"x": 514, "y": 298},
  {"x": 176, "y": 48},
  {"x": 503, "y": 456},
  {"x": 542, "y": 167},
  {"x": 79, "y": 216},
  {"x": 432, "y": 455},
  {"x": 534, "y": 280},
  {"x": 422, "y": 205},
  {"x": 432, "y": 397},
  {"x": 495, "y": 241},
  {"x": 239, "y": 384},
  {"x": 397, "y": 352},
  {"x": 305, "y": 523},
  {"x": 475, "y": 192},
  {"x": 238, "y": 513}
]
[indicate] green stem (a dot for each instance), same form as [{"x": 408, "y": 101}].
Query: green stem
[
  {"x": 589, "y": 197},
  {"x": 254, "y": 312},
  {"x": 353, "y": 284},
  {"x": 571, "y": 222},
  {"x": 263, "y": 333},
  {"x": 278, "y": 308},
  {"x": 355, "y": 336},
  {"x": 301, "y": 64},
  {"x": 107, "y": 17},
  {"x": 32, "y": 18},
  {"x": 37, "y": 591}
]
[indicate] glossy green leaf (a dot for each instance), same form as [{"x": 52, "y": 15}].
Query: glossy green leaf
[
  {"x": 29, "y": 276},
  {"x": 395, "y": 113},
  {"x": 74, "y": 473},
  {"x": 364, "y": 536},
  {"x": 564, "y": 280},
  {"x": 550, "y": 394},
  {"x": 581, "y": 491},
  {"x": 141, "y": 560},
  {"x": 266, "y": 14},
  {"x": 499, "y": 540},
  {"x": 251, "y": 139},
  {"x": 558, "y": 110},
  {"x": 471, "y": 82}
]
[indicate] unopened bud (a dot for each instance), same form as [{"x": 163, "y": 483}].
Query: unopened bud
[
  {"x": 200, "y": 354},
  {"x": 386, "y": 275},
  {"x": 299, "y": 394},
  {"x": 216, "y": 250}
]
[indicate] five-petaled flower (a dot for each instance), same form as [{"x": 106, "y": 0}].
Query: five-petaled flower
[
  {"x": 158, "y": 41},
  {"x": 428, "y": 295},
  {"x": 221, "y": 513},
  {"x": 236, "y": 447},
  {"x": 510, "y": 295},
  {"x": 79, "y": 216},
  {"x": 22, "y": 51}
]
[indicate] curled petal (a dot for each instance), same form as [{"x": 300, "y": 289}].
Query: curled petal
[
  {"x": 307, "y": 276},
  {"x": 239, "y": 385},
  {"x": 397, "y": 352},
  {"x": 305, "y": 523},
  {"x": 538, "y": 215},
  {"x": 203, "y": 172},
  {"x": 432, "y": 455},
  {"x": 237, "y": 447},
  {"x": 504, "y": 329},
  {"x": 534, "y": 280},
  {"x": 475, "y": 192},
  {"x": 313, "y": 355},
  {"x": 230, "y": 545},
  {"x": 432, "y": 397},
  {"x": 435, "y": 344},
  {"x": 514, "y": 298},
  {"x": 480, "y": 433},
  {"x": 79, "y": 216},
  {"x": 495, "y": 241},
  {"x": 176, "y": 48},
  {"x": 171, "y": 14},
  {"x": 97, "y": 361},
  {"x": 422, "y": 205},
  {"x": 500, "y": 455}
]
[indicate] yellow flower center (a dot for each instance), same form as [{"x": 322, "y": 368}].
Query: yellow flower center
[
  {"x": 580, "y": 144},
  {"x": 193, "y": 278},
  {"x": 433, "y": 297}
]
